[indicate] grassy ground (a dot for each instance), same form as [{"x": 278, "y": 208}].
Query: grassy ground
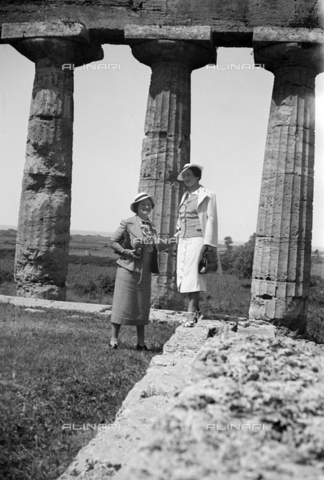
[
  {"x": 57, "y": 370},
  {"x": 318, "y": 269},
  {"x": 315, "y": 313},
  {"x": 226, "y": 294}
]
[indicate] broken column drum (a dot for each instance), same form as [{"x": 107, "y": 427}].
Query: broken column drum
[
  {"x": 166, "y": 146},
  {"x": 282, "y": 260},
  {"x": 45, "y": 207}
]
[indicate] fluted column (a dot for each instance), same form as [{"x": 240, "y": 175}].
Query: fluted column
[
  {"x": 166, "y": 146},
  {"x": 44, "y": 217},
  {"x": 282, "y": 260}
]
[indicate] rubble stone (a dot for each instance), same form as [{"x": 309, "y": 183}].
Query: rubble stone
[{"x": 253, "y": 409}]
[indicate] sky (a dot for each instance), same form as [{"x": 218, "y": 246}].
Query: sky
[{"x": 229, "y": 118}]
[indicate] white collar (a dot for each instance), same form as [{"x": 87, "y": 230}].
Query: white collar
[{"x": 195, "y": 192}]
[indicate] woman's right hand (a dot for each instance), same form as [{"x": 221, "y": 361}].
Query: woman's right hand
[{"x": 129, "y": 253}]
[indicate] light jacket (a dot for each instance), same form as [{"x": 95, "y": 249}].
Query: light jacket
[
  {"x": 207, "y": 213},
  {"x": 126, "y": 237}
]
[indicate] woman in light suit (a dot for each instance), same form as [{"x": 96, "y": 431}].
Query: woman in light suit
[
  {"x": 136, "y": 242},
  {"x": 197, "y": 230}
]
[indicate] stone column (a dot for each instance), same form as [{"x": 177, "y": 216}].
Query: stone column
[
  {"x": 44, "y": 217},
  {"x": 166, "y": 146},
  {"x": 282, "y": 260}
]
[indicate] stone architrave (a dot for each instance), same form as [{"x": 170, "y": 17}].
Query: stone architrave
[
  {"x": 44, "y": 217},
  {"x": 166, "y": 146},
  {"x": 282, "y": 259}
]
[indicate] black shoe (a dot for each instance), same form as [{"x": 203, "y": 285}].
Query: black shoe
[
  {"x": 113, "y": 346},
  {"x": 143, "y": 348}
]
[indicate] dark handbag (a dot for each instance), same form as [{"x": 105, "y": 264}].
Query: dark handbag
[
  {"x": 209, "y": 262},
  {"x": 125, "y": 240}
]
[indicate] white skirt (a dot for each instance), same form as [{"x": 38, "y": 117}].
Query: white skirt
[{"x": 189, "y": 254}]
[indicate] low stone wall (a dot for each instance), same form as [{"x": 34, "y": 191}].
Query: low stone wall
[
  {"x": 252, "y": 409},
  {"x": 113, "y": 447}
]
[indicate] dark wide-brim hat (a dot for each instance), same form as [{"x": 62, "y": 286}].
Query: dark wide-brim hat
[
  {"x": 139, "y": 197},
  {"x": 188, "y": 165}
]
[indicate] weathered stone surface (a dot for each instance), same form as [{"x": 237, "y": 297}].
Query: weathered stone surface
[
  {"x": 256, "y": 328},
  {"x": 112, "y": 448},
  {"x": 44, "y": 216},
  {"x": 166, "y": 147},
  {"x": 232, "y": 22},
  {"x": 264, "y": 35},
  {"x": 281, "y": 270},
  {"x": 65, "y": 53},
  {"x": 253, "y": 409},
  {"x": 294, "y": 65},
  {"x": 15, "y": 31},
  {"x": 166, "y": 32}
]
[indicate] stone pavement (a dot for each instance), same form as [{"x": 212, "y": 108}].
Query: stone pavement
[{"x": 39, "y": 303}]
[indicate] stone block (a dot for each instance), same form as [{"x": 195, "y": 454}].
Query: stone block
[
  {"x": 287, "y": 311},
  {"x": 50, "y": 103},
  {"x": 276, "y": 259},
  {"x": 262, "y": 381},
  {"x": 267, "y": 34},
  {"x": 196, "y": 33},
  {"x": 19, "y": 31}
]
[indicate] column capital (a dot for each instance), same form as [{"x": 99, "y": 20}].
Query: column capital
[
  {"x": 58, "y": 51},
  {"x": 277, "y": 56},
  {"x": 53, "y": 43},
  {"x": 192, "y": 55}
]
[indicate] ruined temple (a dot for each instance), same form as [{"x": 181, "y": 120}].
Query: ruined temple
[{"x": 173, "y": 37}]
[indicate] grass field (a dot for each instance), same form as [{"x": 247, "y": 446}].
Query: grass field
[
  {"x": 95, "y": 245},
  {"x": 90, "y": 282},
  {"x": 57, "y": 369},
  {"x": 318, "y": 269}
]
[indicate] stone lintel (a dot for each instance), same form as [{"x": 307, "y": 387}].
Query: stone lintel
[
  {"x": 165, "y": 32},
  {"x": 200, "y": 35},
  {"x": 70, "y": 30},
  {"x": 265, "y": 35}
]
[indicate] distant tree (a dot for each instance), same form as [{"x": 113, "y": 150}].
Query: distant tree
[
  {"x": 227, "y": 256},
  {"x": 243, "y": 263},
  {"x": 228, "y": 242},
  {"x": 239, "y": 260}
]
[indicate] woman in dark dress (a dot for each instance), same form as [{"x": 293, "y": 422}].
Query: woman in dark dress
[{"x": 135, "y": 240}]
